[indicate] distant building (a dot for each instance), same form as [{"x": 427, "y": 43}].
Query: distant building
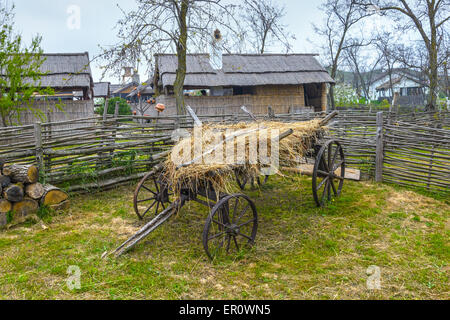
[
  {"x": 143, "y": 92},
  {"x": 102, "y": 90},
  {"x": 411, "y": 87},
  {"x": 122, "y": 91},
  {"x": 284, "y": 82},
  {"x": 128, "y": 90}
]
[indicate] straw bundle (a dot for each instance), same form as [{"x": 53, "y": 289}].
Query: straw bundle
[{"x": 210, "y": 156}]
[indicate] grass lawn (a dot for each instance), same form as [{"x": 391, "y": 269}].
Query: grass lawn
[{"x": 302, "y": 252}]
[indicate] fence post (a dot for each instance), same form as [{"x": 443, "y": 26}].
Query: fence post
[
  {"x": 380, "y": 149},
  {"x": 114, "y": 132},
  {"x": 39, "y": 148},
  {"x": 105, "y": 110}
]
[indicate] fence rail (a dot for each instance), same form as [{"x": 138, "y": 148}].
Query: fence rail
[{"x": 98, "y": 152}]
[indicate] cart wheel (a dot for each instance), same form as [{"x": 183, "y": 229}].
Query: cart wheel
[
  {"x": 329, "y": 173},
  {"x": 231, "y": 225},
  {"x": 152, "y": 196}
]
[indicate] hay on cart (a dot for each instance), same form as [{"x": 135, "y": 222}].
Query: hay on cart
[{"x": 215, "y": 165}]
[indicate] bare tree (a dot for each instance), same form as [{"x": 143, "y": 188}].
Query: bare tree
[
  {"x": 386, "y": 45},
  {"x": 263, "y": 22},
  {"x": 167, "y": 26},
  {"x": 363, "y": 62},
  {"x": 342, "y": 17},
  {"x": 429, "y": 19}
]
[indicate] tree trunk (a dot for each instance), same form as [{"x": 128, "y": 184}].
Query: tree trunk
[
  {"x": 181, "y": 54},
  {"x": 24, "y": 174},
  {"x": 332, "y": 85},
  {"x": 332, "y": 102},
  {"x": 433, "y": 79}
]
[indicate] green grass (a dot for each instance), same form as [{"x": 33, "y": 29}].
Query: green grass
[{"x": 302, "y": 252}]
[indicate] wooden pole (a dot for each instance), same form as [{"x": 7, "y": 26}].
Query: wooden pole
[
  {"x": 39, "y": 149},
  {"x": 105, "y": 110},
  {"x": 379, "y": 149},
  {"x": 114, "y": 132}
]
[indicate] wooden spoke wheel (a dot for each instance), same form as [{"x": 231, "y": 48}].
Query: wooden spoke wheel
[
  {"x": 152, "y": 196},
  {"x": 231, "y": 225},
  {"x": 329, "y": 173},
  {"x": 242, "y": 179}
]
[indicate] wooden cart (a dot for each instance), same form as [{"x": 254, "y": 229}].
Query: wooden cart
[{"x": 233, "y": 219}]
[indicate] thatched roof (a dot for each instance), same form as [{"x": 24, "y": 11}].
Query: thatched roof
[
  {"x": 66, "y": 70},
  {"x": 244, "y": 70},
  {"x": 101, "y": 89}
]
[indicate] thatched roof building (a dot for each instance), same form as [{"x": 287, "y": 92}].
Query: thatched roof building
[
  {"x": 68, "y": 72},
  {"x": 282, "y": 80},
  {"x": 244, "y": 70}
]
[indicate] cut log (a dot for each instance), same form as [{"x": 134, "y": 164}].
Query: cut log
[
  {"x": 19, "y": 173},
  {"x": 25, "y": 207},
  {"x": 5, "y": 181},
  {"x": 14, "y": 192},
  {"x": 53, "y": 195},
  {"x": 5, "y": 206},
  {"x": 63, "y": 206},
  {"x": 35, "y": 191}
]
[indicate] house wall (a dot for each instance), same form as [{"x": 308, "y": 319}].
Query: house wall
[
  {"x": 404, "y": 83},
  {"x": 282, "y": 99}
]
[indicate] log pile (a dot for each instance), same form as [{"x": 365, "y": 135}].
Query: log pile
[{"x": 22, "y": 194}]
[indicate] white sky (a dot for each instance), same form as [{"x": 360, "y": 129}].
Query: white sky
[{"x": 98, "y": 17}]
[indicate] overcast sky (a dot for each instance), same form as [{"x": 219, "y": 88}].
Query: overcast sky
[{"x": 49, "y": 18}]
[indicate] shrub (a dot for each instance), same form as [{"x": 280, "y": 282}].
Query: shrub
[{"x": 124, "y": 107}]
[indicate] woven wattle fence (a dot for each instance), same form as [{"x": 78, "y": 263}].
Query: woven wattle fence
[{"x": 96, "y": 153}]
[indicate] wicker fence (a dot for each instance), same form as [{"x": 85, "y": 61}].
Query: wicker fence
[
  {"x": 415, "y": 155},
  {"x": 97, "y": 153}
]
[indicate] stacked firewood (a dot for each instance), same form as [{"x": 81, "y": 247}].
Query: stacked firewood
[{"x": 22, "y": 194}]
